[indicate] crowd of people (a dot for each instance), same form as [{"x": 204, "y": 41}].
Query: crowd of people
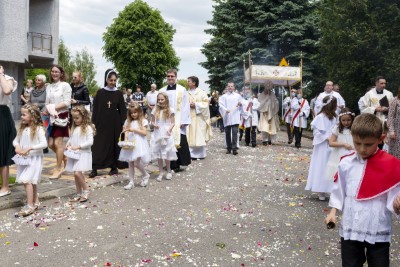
[{"x": 349, "y": 159}]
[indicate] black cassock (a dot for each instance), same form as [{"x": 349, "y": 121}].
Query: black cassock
[{"x": 109, "y": 114}]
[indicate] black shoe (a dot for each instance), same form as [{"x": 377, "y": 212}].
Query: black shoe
[
  {"x": 269, "y": 143},
  {"x": 46, "y": 150},
  {"x": 228, "y": 152},
  {"x": 178, "y": 170},
  {"x": 93, "y": 174},
  {"x": 113, "y": 172},
  {"x": 235, "y": 152},
  {"x": 253, "y": 145},
  {"x": 265, "y": 143},
  {"x": 290, "y": 141}
]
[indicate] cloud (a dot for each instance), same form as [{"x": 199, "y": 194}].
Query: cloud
[{"x": 82, "y": 24}]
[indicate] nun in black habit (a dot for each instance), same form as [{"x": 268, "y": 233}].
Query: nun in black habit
[{"x": 109, "y": 114}]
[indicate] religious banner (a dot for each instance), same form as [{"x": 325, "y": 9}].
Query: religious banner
[{"x": 284, "y": 76}]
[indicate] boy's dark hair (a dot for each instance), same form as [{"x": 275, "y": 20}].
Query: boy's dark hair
[
  {"x": 367, "y": 125},
  {"x": 329, "y": 108}
]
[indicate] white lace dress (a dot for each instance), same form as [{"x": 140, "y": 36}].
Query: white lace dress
[
  {"x": 338, "y": 152},
  {"x": 31, "y": 173},
  {"x": 84, "y": 163},
  {"x": 162, "y": 145},
  {"x": 141, "y": 150}
]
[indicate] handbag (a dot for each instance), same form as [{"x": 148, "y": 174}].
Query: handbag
[
  {"x": 21, "y": 160},
  {"x": 61, "y": 122},
  {"x": 126, "y": 144},
  {"x": 72, "y": 154}
]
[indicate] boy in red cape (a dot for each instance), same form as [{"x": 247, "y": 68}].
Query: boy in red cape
[{"x": 366, "y": 190}]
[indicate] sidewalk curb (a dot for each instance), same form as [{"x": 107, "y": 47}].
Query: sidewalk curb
[{"x": 96, "y": 183}]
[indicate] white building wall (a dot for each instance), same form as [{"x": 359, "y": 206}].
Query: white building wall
[
  {"x": 13, "y": 29},
  {"x": 17, "y": 19}
]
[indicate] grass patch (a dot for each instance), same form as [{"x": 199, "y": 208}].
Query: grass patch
[{"x": 11, "y": 180}]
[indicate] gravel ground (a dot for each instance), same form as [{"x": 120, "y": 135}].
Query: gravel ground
[{"x": 244, "y": 210}]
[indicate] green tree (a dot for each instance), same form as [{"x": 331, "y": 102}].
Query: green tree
[
  {"x": 65, "y": 59},
  {"x": 270, "y": 29},
  {"x": 138, "y": 42},
  {"x": 32, "y": 73},
  {"x": 359, "y": 42},
  {"x": 84, "y": 62}
]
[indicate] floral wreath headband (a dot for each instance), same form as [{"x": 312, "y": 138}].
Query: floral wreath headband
[
  {"x": 347, "y": 113},
  {"x": 331, "y": 97},
  {"x": 34, "y": 111}
]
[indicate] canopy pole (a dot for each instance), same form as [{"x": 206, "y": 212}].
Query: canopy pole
[
  {"x": 250, "y": 68},
  {"x": 244, "y": 71},
  {"x": 301, "y": 73}
]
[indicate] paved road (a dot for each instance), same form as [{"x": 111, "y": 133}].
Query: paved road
[{"x": 245, "y": 210}]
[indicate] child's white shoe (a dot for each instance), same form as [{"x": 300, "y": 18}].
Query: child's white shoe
[
  {"x": 129, "y": 186},
  {"x": 145, "y": 180},
  {"x": 159, "y": 177},
  {"x": 168, "y": 176},
  {"x": 321, "y": 196}
]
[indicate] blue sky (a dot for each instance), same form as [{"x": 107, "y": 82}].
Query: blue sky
[{"x": 82, "y": 24}]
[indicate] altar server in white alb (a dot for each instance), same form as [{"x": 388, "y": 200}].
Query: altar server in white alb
[
  {"x": 29, "y": 144},
  {"x": 179, "y": 102},
  {"x": 269, "y": 118},
  {"x": 199, "y": 131},
  {"x": 287, "y": 118},
  {"x": 250, "y": 106},
  {"x": 376, "y": 101},
  {"x": 230, "y": 105},
  {"x": 300, "y": 110},
  {"x": 328, "y": 91}
]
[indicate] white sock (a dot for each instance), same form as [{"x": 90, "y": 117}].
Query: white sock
[{"x": 131, "y": 171}]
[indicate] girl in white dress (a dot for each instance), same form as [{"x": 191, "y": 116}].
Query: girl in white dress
[
  {"x": 78, "y": 151},
  {"x": 135, "y": 128},
  {"x": 341, "y": 141},
  {"x": 29, "y": 144},
  {"x": 162, "y": 141},
  {"x": 321, "y": 125}
]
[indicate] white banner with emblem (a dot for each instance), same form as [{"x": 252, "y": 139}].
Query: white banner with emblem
[{"x": 284, "y": 76}]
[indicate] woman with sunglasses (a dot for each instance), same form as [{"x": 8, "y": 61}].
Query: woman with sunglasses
[{"x": 80, "y": 92}]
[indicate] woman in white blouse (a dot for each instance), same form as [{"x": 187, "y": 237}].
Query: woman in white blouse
[
  {"x": 58, "y": 101},
  {"x": 7, "y": 129}
]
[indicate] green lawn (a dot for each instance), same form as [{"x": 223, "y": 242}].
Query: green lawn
[{"x": 11, "y": 180}]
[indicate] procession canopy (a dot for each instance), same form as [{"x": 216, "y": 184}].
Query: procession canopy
[{"x": 279, "y": 75}]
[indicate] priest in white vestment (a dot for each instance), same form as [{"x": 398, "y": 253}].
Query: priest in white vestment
[
  {"x": 268, "y": 124},
  {"x": 372, "y": 101},
  {"x": 199, "y": 131},
  {"x": 179, "y": 102}
]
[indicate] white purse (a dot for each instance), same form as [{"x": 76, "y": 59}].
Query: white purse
[
  {"x": 72, "y": 154},
  {"x": 22, "y": 160}
]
